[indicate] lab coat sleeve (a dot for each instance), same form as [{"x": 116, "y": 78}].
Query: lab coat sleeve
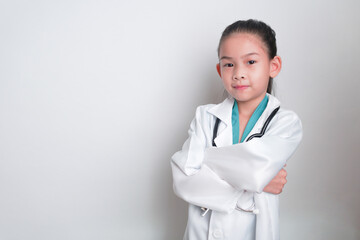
[
  {"x": 194, "y": 181},
  {"x": 252, "y": 165}
]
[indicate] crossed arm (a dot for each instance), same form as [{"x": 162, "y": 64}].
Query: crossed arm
[{"x": 217, "y": 178}]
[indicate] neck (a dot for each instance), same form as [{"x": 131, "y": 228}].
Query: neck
[{"x": 246, "y": 109}]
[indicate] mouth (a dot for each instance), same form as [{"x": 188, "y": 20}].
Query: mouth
[{"x": 241, "y": 87}]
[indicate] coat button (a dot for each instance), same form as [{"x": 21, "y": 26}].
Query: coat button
[{"x": 217, "y": 233}]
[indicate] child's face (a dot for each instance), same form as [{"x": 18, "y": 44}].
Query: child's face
[{"x": 245, "y": 67}]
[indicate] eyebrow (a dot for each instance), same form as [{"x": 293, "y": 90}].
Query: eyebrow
[{"x": 244, "y": 56}]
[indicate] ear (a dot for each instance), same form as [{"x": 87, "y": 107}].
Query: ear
[
  {"x": 275, "y": 66},
  {"x": 218, "y": 69}
]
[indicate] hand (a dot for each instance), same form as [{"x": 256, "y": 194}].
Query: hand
[{"x": 277, "y": 184}]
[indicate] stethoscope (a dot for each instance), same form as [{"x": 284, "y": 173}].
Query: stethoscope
[{"x": 252, "y": 208}]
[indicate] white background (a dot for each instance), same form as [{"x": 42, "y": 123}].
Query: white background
[{"x": 96, "y": 96}]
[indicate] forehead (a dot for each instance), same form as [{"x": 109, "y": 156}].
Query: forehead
[{"x": 241, "y": 44}]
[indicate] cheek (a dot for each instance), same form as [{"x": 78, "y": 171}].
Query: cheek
[
  {"x": 226, "y": 75},
  {"x": 225, "y": 70},
  {"x": 226, "y": 82},
  {"x": 263, "y": 73},
  {"x": 261, "y": 78}
]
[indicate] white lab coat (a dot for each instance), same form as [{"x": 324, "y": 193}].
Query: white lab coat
[{"x": 223, "y": 177}]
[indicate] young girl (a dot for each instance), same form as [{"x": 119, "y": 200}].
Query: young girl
[{"x": 229, "y": 167}]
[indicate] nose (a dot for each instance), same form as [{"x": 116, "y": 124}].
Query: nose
[{"x": 239, "y": 74}]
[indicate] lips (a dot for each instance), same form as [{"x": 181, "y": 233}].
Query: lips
[{"x": 241, "y": 87}]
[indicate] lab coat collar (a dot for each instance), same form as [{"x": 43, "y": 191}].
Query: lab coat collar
[
  {"x": 223, "y": 112},
  {"x": 272, "y": 104}
]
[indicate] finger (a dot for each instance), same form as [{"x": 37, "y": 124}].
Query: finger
[{"x": 281, "y": 173}]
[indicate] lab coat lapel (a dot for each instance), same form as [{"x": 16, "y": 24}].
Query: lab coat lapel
[
  {"x": 223, "y": 112},
  {"x": 272, "y": 104}
]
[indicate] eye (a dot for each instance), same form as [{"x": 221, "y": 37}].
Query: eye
[
  {"x": 228, "y": 65},
  {"x": 251, "y": 62}
]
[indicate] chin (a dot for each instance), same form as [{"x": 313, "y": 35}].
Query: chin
[{"x": 245, "y": 98}]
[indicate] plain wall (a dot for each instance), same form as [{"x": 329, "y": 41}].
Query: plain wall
[{"x": 96, "y": 96}]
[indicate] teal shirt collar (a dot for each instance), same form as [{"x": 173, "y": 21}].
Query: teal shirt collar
[{"x": 252, "y": 121}]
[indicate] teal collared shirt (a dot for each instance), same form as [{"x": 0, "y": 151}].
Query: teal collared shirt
[{"x": 252, "y": 121}]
